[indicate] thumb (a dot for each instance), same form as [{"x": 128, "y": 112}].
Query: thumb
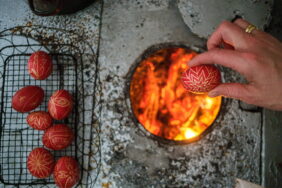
[{"x": 231, "y": 90}]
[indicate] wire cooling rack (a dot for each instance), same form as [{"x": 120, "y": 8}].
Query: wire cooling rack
[{"x": 75, "y": 69}]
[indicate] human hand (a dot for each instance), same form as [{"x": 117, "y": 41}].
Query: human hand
[{"x": 257, "y": 56}]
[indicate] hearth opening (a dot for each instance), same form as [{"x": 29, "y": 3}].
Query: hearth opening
[{"x": 162, "y": 105}]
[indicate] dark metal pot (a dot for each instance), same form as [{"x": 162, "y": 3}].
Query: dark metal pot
[{"x": 54, "y": 7}]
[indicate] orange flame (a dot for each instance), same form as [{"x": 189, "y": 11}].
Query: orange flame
[{"x": 160, "y": 102}]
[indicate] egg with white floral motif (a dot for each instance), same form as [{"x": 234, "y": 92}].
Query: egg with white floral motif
[
  {"x": 27, "y": 98},
  {"x": 60, "y": 104},
  {"x": 66, "y": 172},
  {"x": 40, "y": 163},
  {"x": 40, "y": 65},
  {"x": 58, "y": 137},
  {"x": 39, "y": 120}
]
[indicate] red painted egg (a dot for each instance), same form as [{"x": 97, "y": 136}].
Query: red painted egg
[
  {"x": 201, "y": 79},
  {"x": 66, "y": 172},
  {"x": 27, "y": 98},
  {"x": 39, "y": 120},
  {"x": 40, "y": 65},
  {"x": 40, "y": 163},
  {"x": 58, "y": 137},
  {"x": 60, "y": 104}
]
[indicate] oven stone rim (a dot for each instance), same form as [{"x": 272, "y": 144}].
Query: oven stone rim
[{"x": 140, "y": 128}]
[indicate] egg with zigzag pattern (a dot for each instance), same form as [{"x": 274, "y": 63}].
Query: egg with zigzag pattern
[{"x": 201, "y": 79}]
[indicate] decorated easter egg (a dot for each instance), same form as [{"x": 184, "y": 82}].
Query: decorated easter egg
[
  {"x": 40, "y": 65},
  {"x": 58, "y": 137},
  {"x": 40, "y": 163},
  {"x": 66, "y": 172},
  {"x": 39, "y": 120},
  {"x": 201, "y": 79},
  {"x": 27, "y": 98},
  {"x": 60, "y": 104}
]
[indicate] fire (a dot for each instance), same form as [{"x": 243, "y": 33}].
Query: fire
[{"x": 160, "y": 102}]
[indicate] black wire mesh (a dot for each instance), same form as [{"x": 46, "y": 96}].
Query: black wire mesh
[{"x": 75, "y": 69}]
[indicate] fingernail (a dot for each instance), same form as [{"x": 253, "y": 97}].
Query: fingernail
[
  {"x": 213, "y": 94},
  {"x": 190, "y": 63}
]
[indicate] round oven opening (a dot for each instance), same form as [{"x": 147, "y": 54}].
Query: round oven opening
[{"x": 162, "y": 105}]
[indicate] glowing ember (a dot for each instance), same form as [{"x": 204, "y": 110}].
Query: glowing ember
[{"x": 160, "y": 102}]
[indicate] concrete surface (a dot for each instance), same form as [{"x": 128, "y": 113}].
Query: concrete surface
[{"x": 203, "y": 16}]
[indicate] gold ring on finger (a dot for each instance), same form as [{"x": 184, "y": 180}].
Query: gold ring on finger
[{"x": 250, "y": 28}]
